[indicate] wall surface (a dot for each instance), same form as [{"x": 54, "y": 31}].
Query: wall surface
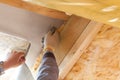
[{"x": 27, "y": 25}]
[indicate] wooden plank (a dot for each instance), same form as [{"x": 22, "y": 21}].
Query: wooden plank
[
  {"x": 36, "y": 8},
  {"x": 79, "y": 47},
  {"x": 105, "y": 11},
  {"x": 101, "y": 59},
  {"x": 69, "y": 34}
]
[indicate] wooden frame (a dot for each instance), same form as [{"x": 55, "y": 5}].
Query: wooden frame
[
  {"x": 78, "y": 48},
  {"x": 71, "y": 31}
]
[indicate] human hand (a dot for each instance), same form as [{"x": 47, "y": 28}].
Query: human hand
[
  {"x": 14, "y": 60},
  {"x": 51, "y": 41}
]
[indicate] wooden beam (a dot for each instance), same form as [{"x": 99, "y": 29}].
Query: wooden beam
[
  {"x": 36, "y": 8},
  {"x": 78, "y": 48},
  {"x": 72, "y": 29}
]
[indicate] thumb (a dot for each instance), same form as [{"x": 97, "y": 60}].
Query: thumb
[
  {"x": 49, "y": 33},
  {"x": 52, "y": 31},
  {"x": 22, "y": 59},
  {"x": 21, "y": 62}
]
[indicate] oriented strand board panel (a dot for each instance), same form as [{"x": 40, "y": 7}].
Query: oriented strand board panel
[
  {"x": 36, "y": 8},
  {"x": 101, "y": 60},
  {"x": 105, "y": 11}
]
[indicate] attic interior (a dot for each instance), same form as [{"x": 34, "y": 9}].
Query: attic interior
[{"x": 90, "y": 36}]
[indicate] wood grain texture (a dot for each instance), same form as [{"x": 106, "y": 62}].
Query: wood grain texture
[
  {"x": 71, "y": 31},
  {"x": 101, "y": 60},
  {"x": 36, "y": 8},
  {"x": 105, "y": 11},
  {"x": 78, "y": 48}
]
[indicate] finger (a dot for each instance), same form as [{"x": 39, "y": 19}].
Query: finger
[
  {"x": 22, "y": 59},
  {"x": 56, "y": 33},
  {"x": 49, "y": 33},
  {"x": 53, "y": 29},
  {"x": 11, "y": 54},
  {"x": 21, "y": 54},
  {"x": 21, "y": 62},
  {"x": 14, "y": 52}
]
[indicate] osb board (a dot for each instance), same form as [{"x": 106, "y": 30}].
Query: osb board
[
  {"x": 106, "y": 11},
  {"x": 101, "y": 60}
]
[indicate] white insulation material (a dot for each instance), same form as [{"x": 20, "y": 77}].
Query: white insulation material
[{"x": 8, "y": 43}]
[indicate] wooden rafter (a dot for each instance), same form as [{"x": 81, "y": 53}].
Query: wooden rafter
[
  {"x": 69, "y": 34},
  {"x": 78, "y": 48}
]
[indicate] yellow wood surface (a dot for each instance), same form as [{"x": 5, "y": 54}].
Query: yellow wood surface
[
  {"x": 71, "y": 31},
  {"x": 101, "y": 60},
  {"x": 105, "y": 11},
  {"x": 78, "y": 48},
  {"x": 36, "y": 8}
]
